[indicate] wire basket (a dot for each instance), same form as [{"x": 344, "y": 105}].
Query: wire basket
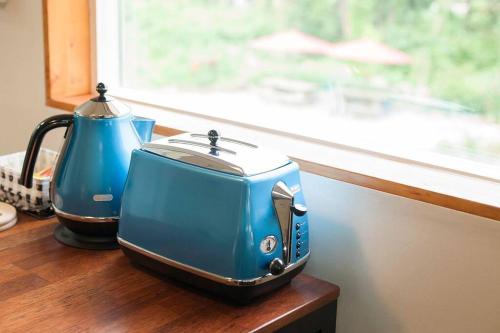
[{"x": 36, "y": 199}]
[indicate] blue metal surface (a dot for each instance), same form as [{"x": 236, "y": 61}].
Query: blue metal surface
[
  {"x": 93, "y": 167},
  {"x": 144, "y": 127},
  {"x": 203, "y": 218}
]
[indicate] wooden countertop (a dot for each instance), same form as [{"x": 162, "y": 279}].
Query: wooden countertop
[{"x": 46, "y": 286}]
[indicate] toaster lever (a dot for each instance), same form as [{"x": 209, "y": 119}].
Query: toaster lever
[{"x": 283, "y": 201}]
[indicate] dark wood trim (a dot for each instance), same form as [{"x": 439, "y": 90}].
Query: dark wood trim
[
  {"x": 166, "y": 131},
  {"x": 68, "y": 103},
  {"x": 402, "y": 190},
  {"x": 283, "y": 321}
]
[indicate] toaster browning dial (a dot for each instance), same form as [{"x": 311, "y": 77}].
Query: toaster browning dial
[{"x": 268, "y": 244}]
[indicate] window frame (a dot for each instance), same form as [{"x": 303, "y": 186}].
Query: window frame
[{"x": 70, "y": 42}]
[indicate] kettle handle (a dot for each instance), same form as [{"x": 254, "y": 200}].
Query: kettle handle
[{"x": 62, "y": 120}]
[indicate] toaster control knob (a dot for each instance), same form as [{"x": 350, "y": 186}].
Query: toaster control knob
[
  {"x": 299, "y": 210},
  {"x": 268, "y": 244},
  {"x": 276, "y": 267}
]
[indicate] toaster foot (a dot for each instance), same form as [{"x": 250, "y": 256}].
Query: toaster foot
[
  {"x": 70, "y": 238},
  {"x": 239, "y": 294}
]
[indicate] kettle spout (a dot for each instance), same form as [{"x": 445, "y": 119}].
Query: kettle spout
[{"x": 144, "y": 128}]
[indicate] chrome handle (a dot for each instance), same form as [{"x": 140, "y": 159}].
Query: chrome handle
[
  {"x": 199, "y": 144},
  {"x": 213, "y": 136},
  {"x": 282, "y": 201}
]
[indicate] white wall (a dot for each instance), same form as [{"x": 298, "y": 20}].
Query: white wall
[
  {"x": 403, "y": 265},
  {"x": 22, "y": 92}
]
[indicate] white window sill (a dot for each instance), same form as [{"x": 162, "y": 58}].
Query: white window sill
[{"x": 460, "y": 190}]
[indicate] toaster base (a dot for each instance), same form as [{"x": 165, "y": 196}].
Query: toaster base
[{"x": 239, "y": 294}]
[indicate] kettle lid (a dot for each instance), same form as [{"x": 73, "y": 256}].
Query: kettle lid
[
  {"x": 215, "y": 152},
  {"x": 102, "y": 106}
]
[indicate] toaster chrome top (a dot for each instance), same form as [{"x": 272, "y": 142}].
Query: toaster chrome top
[{"x": 215, "y": 152}]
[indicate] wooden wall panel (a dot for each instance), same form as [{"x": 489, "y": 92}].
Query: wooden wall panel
[{"x": 67, "y": 48}]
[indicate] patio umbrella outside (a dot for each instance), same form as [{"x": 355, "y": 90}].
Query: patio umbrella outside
[
  {"x": 292, "y": 42},
  {"x": 369, "y": 51},
  {"x": 360, "y": 50}
]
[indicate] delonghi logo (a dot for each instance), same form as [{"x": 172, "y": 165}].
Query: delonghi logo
[{"x": 103, "y": 197}]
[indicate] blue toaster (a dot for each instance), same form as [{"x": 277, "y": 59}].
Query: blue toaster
[{"x": 218, "y": 213}]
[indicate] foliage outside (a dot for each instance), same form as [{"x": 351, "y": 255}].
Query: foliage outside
[{"x": 205, "y": 44}]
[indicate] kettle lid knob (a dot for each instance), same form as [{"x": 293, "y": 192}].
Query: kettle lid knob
[{"x": 101, "y": 90}]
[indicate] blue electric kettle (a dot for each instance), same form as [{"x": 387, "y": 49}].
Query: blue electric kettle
[{"x": 91, "y": 169}]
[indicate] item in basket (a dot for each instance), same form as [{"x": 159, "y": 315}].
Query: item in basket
[
  {"x": 8, "y": 216},
  {"x": 35, "y": 199},
  {"x": 44, "y": 173}
]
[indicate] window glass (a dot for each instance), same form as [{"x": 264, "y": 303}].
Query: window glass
[{"x": 417, "y": 79}]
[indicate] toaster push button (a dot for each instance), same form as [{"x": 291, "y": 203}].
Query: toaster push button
[
  {"x": 297, "y": 254},
  {"x": 297, "y": 235},
  {"x": 297, "y": 226}
]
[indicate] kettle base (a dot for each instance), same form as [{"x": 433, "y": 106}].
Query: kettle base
[
  {"x": 70, "y": 238},
  {"x": 237, "y": 294}
]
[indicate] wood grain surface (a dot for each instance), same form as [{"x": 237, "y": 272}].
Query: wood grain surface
[
  {"x": 67, "y": 48},
  {"x": 48, "y": 287}
]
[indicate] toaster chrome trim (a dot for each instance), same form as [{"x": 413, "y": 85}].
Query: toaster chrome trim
[
  {"x": 205, "y": 136},
  {"x": 199, "y": 144},
  {"x": 90, "y": 219},
  {"x": 218, "y": 153},
  {"x": 189, "y": 157},
  {"x": 211, "y": 276}
]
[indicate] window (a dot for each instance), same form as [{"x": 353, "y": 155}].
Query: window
[{"x": 416, "y": 80}]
